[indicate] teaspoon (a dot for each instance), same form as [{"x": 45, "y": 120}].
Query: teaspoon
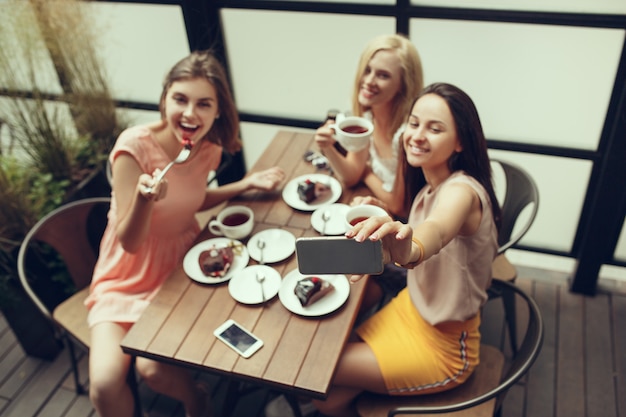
[
  {"x": 325, "y": 218},
  {"x": 260, "y": 278},
  {"x": 261, "y": 245}
]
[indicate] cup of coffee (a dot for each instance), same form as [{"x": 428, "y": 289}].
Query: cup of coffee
[
  {"x": 352, "y": 132},
  {"x": 357, "y": 214},
  {"x": 234, "y": 222}
]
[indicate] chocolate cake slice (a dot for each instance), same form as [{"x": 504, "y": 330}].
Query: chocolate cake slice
[
  {"x": 310, "y": 191},
  {"x": 215, "y": 262},
  {"x": 311, "y": 289}
]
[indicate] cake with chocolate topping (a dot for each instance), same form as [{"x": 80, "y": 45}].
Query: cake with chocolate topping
[
  {"x": 215, "y": 262},
  {"x": 311, "y": 289},
  {"x": 310, "y": 191}
]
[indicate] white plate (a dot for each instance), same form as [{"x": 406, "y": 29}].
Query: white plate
[
  {"x": 279, "y": 245},
  {"x": 329, "y": 303},
  {"x": 244, "y": 287},
  {"x": 191, "y": 263},
  {"x": 291, "y": 197},
  {"x": 336, "y": 225}
]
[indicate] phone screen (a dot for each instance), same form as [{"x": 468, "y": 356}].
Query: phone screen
[
  {"x": 338, "y": 255},
  {"x": 242, "y": 341}
]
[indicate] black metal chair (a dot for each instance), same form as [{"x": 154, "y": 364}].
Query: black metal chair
[
  {"x": 483, "y": 393},
  {"x": 521, "y": 195},
  {"x": 73, "y": 232}
]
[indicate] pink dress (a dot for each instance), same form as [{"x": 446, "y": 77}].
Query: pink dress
[{"x": 124, "y": 283}]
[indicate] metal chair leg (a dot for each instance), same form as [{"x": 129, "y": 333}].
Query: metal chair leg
[
  {"x": 131, "y": 379},
  {"x": 508, "y": 301},
  {"x": 73, "y": 361}
]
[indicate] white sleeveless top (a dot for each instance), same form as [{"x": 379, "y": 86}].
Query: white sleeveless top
[{"x": 385, "y": 168}]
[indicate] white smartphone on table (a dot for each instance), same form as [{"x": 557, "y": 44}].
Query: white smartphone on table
[
  {"x": 238, "y": 338},
  {"x": 339, "y": 255}
]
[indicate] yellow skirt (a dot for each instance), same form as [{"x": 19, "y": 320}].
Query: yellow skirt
[{"x": 416, "y": 357}]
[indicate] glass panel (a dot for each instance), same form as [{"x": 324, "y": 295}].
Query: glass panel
[
  {"x": 139, "y": 44},
  {"x": 539, "y": 84},
  {"x": 559, "y": 6},
  {"x": 296, "y": 64}
]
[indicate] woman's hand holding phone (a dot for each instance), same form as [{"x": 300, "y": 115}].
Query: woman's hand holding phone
[{"x": 395, "y": 236}]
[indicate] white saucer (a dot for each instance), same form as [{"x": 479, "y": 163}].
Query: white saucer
[
  {"x": 336, "y": 224},
  {"x": 291, "y": 197},
  {"x": 329, "y": 303},
  {"x": 244, "y": 287},
  {"x": 279, "y": 245},
  {"x": 191, "y": 263}
]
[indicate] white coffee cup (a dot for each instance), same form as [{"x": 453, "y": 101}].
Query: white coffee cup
[
  {"x": 352, "y": 132},
  {"x": 356, "y": 214},
  {"x": 234, "y": 222}
]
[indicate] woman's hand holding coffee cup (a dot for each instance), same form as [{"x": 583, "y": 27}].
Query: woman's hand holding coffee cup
[
  {"x": 352, "y": 132},
  {"x": 234, "y": 222},
  {"x": 325, "y": 135}
]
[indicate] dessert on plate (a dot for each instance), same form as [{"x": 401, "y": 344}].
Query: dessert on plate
[
  {"x": 215, "y": 262},
  {"x": 309, "y": 191},
  {"x": 311, "y": 289}
]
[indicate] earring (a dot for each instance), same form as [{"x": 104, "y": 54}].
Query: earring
[{"x": 217, "y": 117}]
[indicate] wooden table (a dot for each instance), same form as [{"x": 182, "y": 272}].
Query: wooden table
[{"x": 300, "y": 354}]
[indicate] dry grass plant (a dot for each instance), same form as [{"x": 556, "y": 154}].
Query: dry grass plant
[{"x": 57, "y": 117}]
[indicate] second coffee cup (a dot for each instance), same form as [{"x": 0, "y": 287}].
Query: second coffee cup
[
  {"x": 234, "y": 222},
  {"x": 357, "y": 214}
]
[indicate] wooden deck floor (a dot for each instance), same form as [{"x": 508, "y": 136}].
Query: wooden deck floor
[{"x": 581, "y": 371}]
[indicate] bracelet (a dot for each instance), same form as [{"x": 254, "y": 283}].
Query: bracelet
[{"x": 420, "y": 258}]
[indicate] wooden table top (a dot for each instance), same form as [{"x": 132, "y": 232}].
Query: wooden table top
[{"x": 300, "y": 354}]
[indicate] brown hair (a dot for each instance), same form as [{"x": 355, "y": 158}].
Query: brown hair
[
  {"x": 203, "y": 64},
  {"x": 473, "y": 159}
]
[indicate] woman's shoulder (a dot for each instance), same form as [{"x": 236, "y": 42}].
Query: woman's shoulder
[
  {"x": 462, "y": 177},
  {"x": 137, "y": 132},
  {"x": 138, "y": 141},
  {"x": 137, "y": 136}
]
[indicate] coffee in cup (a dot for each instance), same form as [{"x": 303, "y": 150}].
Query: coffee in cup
[
  {"x": 353, "y": 133},
  {"x": 234, "y": 222},
  {"x": 357, "y": 214}
]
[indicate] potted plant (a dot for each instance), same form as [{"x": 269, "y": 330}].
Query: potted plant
[{"x": 57, "y": 125}]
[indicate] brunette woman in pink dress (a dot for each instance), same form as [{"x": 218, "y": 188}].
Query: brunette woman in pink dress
[{"x": 151, "y": 225}]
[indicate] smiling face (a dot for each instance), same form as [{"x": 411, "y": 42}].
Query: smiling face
[
  {"x": 431, "y": 136},
  {"x": 381, "y": 80},
  {"x": 190, "y": 108}
]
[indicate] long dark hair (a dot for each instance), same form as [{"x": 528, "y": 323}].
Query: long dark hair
[
  {"x": 204, "y": 64},
  {"x": 473, "y": 159}
]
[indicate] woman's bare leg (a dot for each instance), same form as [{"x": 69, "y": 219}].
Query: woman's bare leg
[
  {"x": 108, "y": 366},
  {"x": 357, "y": 371},
  {"x": 174, "y": 382}
]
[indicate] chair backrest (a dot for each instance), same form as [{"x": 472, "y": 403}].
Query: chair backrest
[
  {"x": 74, "y": 231},
  {"x": 521, "y": 191},
  {"x": 455, "y": 399}
]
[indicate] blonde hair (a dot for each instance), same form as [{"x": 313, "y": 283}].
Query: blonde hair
[
  {"x": 412, "y": 75},
  {"x": 203, "y": 64}
]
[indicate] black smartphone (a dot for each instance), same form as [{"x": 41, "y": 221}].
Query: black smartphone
[{"x": 338, "y": 255}]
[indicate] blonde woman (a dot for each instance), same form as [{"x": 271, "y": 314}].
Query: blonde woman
[{"x": 388, "y": 78}]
